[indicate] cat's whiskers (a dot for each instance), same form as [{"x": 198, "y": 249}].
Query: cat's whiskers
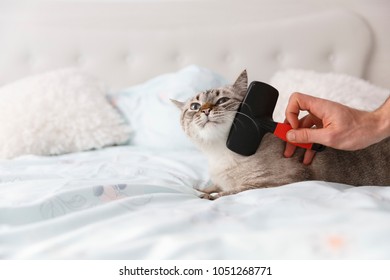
[
  {"x": 248, "y": 107},
  {"x": 222, "y": 119},
  {"x": 252, "y": 120},
  {"x": 199, "y": 122},
  {"x": 234, "y": 104}
]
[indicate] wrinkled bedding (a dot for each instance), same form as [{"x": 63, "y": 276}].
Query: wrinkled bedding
[{"x": 130, "y": 202}]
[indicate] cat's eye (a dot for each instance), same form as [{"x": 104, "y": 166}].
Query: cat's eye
[
  {"x": 195, "y": 106},
  {"x": 222, "y": 100}
]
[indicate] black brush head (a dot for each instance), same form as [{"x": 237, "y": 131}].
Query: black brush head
[{"x": 246, "y": 133}]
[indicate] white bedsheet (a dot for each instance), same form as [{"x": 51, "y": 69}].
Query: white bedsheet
[{"x": 132, "y": 203}]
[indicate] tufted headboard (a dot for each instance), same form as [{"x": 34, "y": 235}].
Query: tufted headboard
[{"x": 127, "y": 42}]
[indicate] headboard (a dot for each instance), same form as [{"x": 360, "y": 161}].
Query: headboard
[{"x": 126, "y": 42}]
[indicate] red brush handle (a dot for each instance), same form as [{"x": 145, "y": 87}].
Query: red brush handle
[{"x": 281, "y": 131}]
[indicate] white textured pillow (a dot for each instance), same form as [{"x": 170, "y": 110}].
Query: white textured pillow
[
  {"x": 341, "y": 88},
  {"x": 154, "y": 119},
  {"x": 58, "y": 112}
]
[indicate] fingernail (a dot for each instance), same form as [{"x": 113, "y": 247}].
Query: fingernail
[{"x": 290, "y": 136}]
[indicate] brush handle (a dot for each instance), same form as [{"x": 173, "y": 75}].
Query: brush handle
[{"x": 281, "y": 131}]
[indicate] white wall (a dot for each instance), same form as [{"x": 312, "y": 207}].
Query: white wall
[{"x": 375, "y": 12}]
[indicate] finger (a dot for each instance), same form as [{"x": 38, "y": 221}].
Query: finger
[
  {"x": 302, "y": 102},
  {"x": 306, "y": 122},
  {"x": 308, "y": 157},
  {"x": 293, "y": 109},
  {"x": 309, "y": 121},
  {"x": 306, "y": 135},
  {"x": 289, "y": 150}
]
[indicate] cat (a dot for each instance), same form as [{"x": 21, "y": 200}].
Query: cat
[{"x": 207, "y": 118}]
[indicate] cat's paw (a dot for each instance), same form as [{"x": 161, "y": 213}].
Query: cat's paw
[
  {"x": 210, "y": 193},
  {"x": 205, "y": 196},
  {"x": 209, "y": 196},
  {"x": 210, "y": 189}
]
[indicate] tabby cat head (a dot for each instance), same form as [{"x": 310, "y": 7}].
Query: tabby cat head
[{"x": 207, "y": 117}]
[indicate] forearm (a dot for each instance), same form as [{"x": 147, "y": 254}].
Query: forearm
[{"x": 383, "y": 116}]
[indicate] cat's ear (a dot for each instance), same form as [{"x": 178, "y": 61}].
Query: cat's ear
[
  {"x": 178, "y": 104},
  {"x": 241, "y": 84}
]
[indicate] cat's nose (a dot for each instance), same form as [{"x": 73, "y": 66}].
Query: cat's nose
[
  {"x": 206, "y": 111},
  {"x": 206, "y": 108}
]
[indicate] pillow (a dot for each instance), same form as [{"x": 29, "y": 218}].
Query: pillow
[
  {"x": 153, "y": 117},
  {"x": 58, "y": 112},
  {"x": 348, "y": 90}
]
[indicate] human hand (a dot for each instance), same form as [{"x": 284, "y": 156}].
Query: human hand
[{"x": 336, "y": 125}]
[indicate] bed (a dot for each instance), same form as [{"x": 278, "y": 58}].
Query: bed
[{"x": 133, "y": 194}]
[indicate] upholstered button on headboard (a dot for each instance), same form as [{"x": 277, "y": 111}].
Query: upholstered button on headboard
[{"x": 129, "y": 42}]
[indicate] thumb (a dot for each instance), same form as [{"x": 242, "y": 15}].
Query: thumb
[{"x": 304, "y": 135}]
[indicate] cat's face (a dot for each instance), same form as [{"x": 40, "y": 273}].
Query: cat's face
[{"x": 207, "y": 117}]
